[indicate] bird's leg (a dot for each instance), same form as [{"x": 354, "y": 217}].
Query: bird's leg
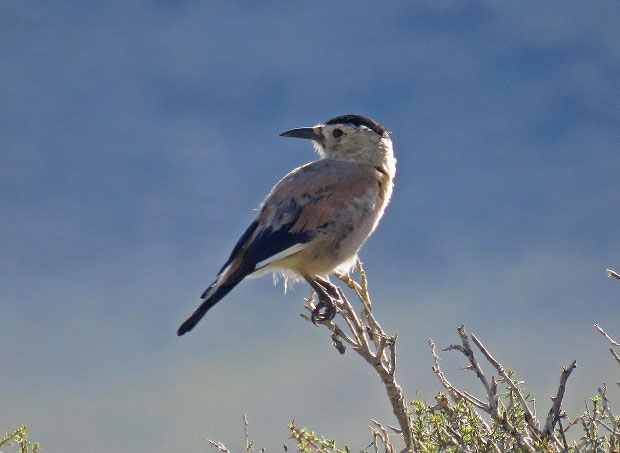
[
  {"x": 328, "y": 295},
  {"x": 328, "y": 286}
]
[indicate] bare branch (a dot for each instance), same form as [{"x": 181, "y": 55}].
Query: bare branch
[
  {"x": 523, "y": 442},
  {"x": 248, "y": 442},
  {"x": 491, "y": 395},
  {"x": 453, "y": 391},
  {"x": 366, "y": 337},
  {"x": 529, "y": 418},
  {"x": 611, "y": 340},
  {"x": 554, "y": 412},
  {"x": 219, "y": 446},
  {"x": 615, "y": 355},
  {"x": 563, "y": 436},
  {"x": 382, "y": 433},
  {"x": 603, "y": 393},
  {"x": 611, "y": 273}
]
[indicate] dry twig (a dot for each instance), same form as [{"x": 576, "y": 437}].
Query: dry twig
[
  {"x": 248, "y": 443},
  {"x": 380, "y": 433},
  {"x": 491, "y": 406},
  {"x": 219, "y": 446},
  {"x": 611, "y": 340},
  {"x": 554, "y": 413},
  {"x": 366, "y": 337},
  {"x": 611, "y": 273}
]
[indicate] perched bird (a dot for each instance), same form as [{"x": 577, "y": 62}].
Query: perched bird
[{"x": 317, "y": 217}]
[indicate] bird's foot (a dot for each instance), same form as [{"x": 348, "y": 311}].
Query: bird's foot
[
  {"x": 324, "y": 311},
  {"x": 328, "y": 296}
]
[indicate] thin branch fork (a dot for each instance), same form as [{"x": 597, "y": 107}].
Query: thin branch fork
[
  {"x": 454, "y": 392},
  {"x": 366, "y": 337},
  {"x": 467, "y": 351},
  {"x": 492, "y": 406},
  {"x": 555, "y": 412},
  {"x": 529, "y": 417},
  {"x": 380, "y": 432}
]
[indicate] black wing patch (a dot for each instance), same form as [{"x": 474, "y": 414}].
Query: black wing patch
[
  {"x": 240, "y": 243},
  {"x": 266, "y": 244},
  {"x": 278, "y": 237},
  {"x": 269, "y": 243}
]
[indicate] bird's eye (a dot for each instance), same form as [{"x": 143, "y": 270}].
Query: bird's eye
[{"x": 337, "y": 133}]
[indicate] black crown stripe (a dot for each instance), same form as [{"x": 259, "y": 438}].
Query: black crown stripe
[{"x": 358, "y": 120}]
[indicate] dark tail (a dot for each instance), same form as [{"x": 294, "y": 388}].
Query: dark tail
[{"x": 211, "y": 300}]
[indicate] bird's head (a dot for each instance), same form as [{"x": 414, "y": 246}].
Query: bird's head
[{"x": 349, "y": 137}]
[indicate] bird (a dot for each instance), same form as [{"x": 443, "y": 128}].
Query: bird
[{"x": 315, "y": 219}]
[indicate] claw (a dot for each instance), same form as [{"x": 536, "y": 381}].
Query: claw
[
  {"x": 319, "y": 315},
  {"x": 328, "y": 296}
]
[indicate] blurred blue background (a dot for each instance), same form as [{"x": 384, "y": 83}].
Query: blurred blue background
[{"x": 137, "y": 139}]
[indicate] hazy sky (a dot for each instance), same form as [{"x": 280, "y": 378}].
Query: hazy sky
[{"x": 138, "y": 138}]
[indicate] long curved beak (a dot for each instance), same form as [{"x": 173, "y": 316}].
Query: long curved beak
[{"x": 311, "y": 133}]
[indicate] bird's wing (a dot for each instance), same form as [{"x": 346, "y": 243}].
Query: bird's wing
[{"x": 304, "y": 201}]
